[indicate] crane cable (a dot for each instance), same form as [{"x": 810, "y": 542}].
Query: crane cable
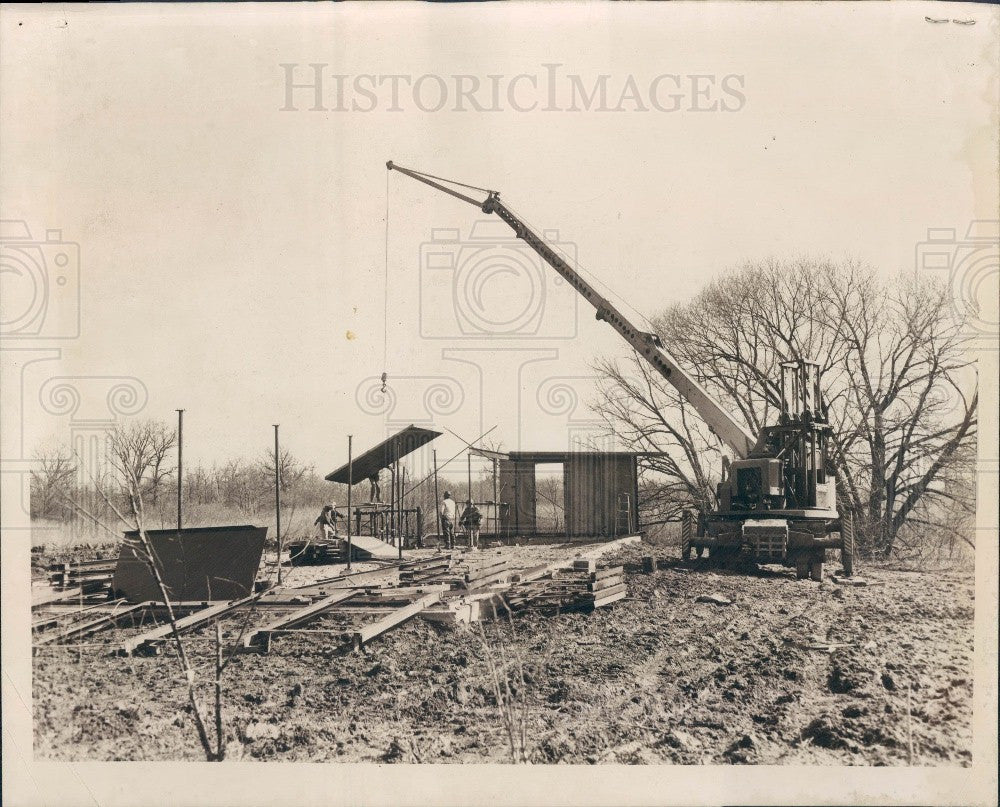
[
  {"x": 452, "y": 182},
  {"x": 385, "y": 299}
]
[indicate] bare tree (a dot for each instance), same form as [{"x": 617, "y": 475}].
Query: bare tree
[
  {"x": 56, "y": 472},
  {"x": 908, "y": 409},
  {"x": 292, "y": 474},
  {"x": 652, "y": 416},
  {"x": 141, "y": 450},
  {"x": 900, "y": 392},
  {"x": 238, "y": 484},
  {"x": 162, "y": 443},
  {"x": 292, "y": 471},
  {"x": 552, "y": 514}
]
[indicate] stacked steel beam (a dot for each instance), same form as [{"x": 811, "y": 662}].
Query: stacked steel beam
[
  {"x": 427, "y": 570},
  {"x": 90, "y": 575},
  {"x": 312, "y": 553},
  {"x": 570, "y": 589}
]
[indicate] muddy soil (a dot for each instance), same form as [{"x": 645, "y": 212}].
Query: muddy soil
[{"x": 790, "y": 672}]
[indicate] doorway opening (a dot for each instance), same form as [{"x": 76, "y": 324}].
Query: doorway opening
[{"x": 550, "y": 510}]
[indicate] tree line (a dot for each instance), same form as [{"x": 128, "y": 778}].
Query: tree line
[
  {"x": 66, "y": 489},
  {"x": 895, "y": 372}
]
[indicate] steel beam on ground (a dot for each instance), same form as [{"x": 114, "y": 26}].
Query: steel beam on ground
[
  {"x": 539, "y": 572},
  {"x": 355, "y": 579},
  {"x": 396, "y": 618},
  {"x": 299, "y": 617},
  {"x": 89, "y": 627},
  {"x": 55, "y": 596},
  {"x": 184, "y": 624}
]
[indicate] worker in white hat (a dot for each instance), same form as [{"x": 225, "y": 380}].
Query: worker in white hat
[{"x": 448, "y": 512}]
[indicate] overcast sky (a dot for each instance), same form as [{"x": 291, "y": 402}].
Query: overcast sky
[{"x": 232, "y": 253}]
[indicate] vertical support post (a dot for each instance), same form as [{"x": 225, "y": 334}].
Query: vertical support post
[
  {"x": 634, "y": 510},
  {"x": 350, "y": 487},
  {"x": 804, "y": 383},
  {"x": 804, "y": 387},
  {"x": 803, "y": 491},
  {"x": 180, "y": 469},
  {"x": 784, "y": 397},
  {"x": 468, "y": 462},
  {"x": 390, "y": 523},
  {"x": 437, "y": 496},
  {"x": 420, "y": 527},
  {"x": 277, "y": 497},
  {"x": 496, "y": 504},
  {"x": 812, "y": 477},
  {"x": 398, "y": 519},
  {"x": 403, "y": 521}
]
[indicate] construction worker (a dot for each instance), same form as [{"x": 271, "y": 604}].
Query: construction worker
[
  {"x": 471, "y": 519},
  {"x": 376, "y": 487},
  {"x": 448, "y": 511},
  {"x": 327, "y": 522}
]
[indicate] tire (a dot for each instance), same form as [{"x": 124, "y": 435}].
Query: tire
[
  {"x": 847, "y": 543},
  {"x": 687, "y": 533}
]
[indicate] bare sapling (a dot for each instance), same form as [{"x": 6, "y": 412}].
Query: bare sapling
[
  {"x": 131, "y": 463},
  {"x": 510, "y": 690}
]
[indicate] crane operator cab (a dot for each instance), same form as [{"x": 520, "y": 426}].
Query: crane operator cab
[{"x": 779, "y": 505}]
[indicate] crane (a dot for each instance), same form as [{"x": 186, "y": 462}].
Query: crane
[
  {"x": 777, "y": 499},
  {"x": 732, "y": 433}
]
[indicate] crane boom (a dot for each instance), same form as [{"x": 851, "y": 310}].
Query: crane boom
[{"x": 648, "y": 345}]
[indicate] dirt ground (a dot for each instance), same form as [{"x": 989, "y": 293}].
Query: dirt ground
[{"x": 655, "y": 678}]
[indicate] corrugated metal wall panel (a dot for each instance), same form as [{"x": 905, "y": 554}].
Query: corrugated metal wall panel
[{"x": 593, "y": 485}]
